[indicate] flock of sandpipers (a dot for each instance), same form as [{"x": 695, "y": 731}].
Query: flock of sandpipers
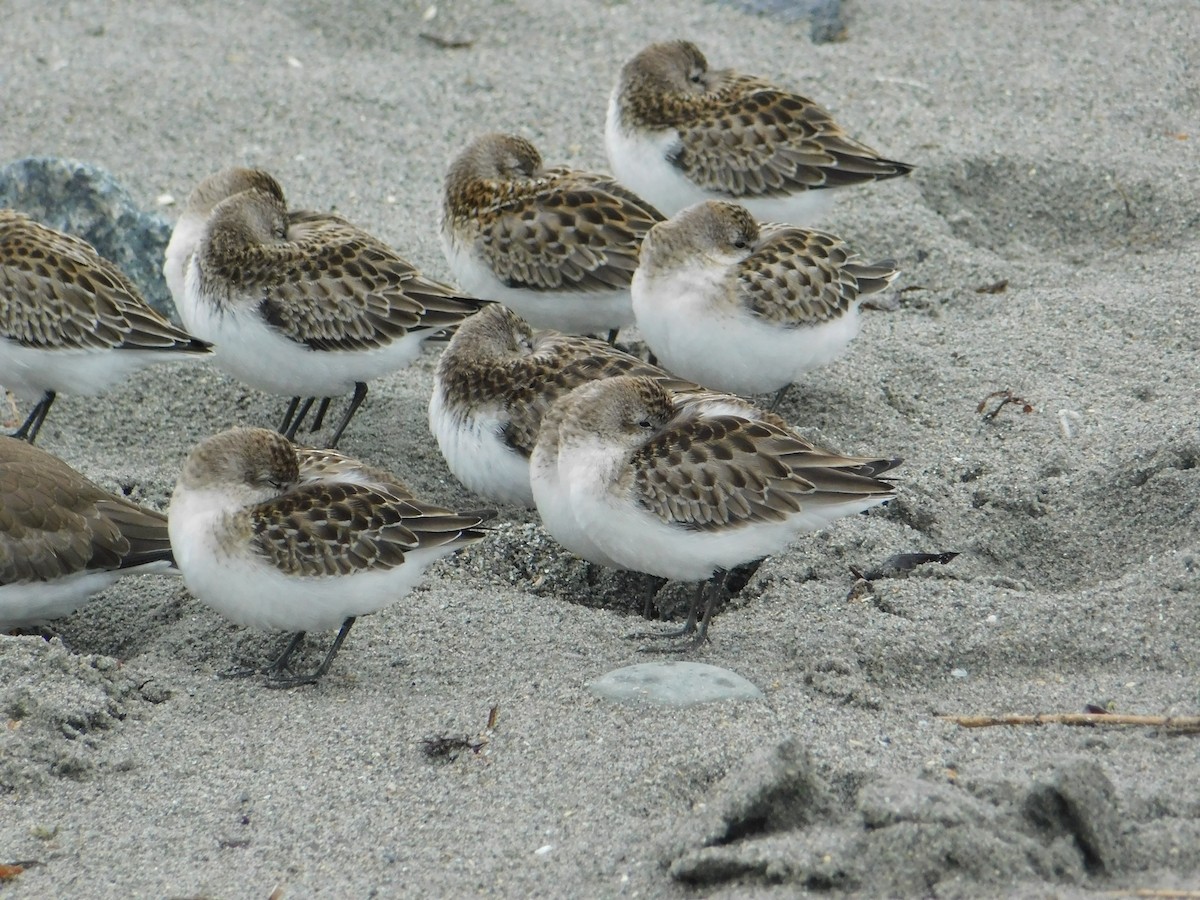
[{"x": 660, "y": 465}]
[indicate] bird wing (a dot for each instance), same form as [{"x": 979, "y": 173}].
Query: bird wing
[
  {"x": 712, "y": 473},
  {"x": 757, "y": 140},
  {"x": 332, "y": 286},
  {"x": 568, "y": 231},
  {"x": 339, "y": 528},
  {"x": 559, "y": 364},
  {"x": 55, "y": 523},
  {"x": 60, "y": 294},
  {"x": 797, "y": 277},
  {"x": 329, "y": 465}
]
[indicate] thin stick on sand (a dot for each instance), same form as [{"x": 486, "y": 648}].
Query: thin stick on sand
[{"x": 1175, "y": 723}]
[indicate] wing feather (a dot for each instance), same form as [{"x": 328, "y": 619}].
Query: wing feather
[
  {"x": 324, "y": 528},
  {"x": 566, "y": 231},
  {"x": 748, "y": 138},
  {"x": 798, "y": 277},
  {"x": 60, "y": 294},
  {"x": 55, "y": 523},
  {"x": 332, "y": 286},
  {"x": 709, "y": 473},
  {"x": 558, "y": 365}
]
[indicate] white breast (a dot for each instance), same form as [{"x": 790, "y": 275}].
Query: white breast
[
  {"x": 722, "y": 346},
  {"x": 473, "y": 446},
  {"x": 38, "y": 602},
  {"x": 640, "y": 161},
  {"x": 258, "y": 355},
  {"x": 558, "y": 510},
  {"x": 249, "y": 591},
  {"x": 29, "y": 371}
]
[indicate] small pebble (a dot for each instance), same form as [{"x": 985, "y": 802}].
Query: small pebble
[{"x": 673, "y": 683}]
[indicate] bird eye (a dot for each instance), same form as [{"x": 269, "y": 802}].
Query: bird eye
[
  {"x": 645, "y": 423},
  {"x": 740, "y": 243}
]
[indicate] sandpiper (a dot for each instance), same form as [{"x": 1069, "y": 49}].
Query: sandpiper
[
  {"x": 303, "y": 304},
  {"x": 496, "y": 379},
  {"x": 71, "y": 322},
  {"x": 627, "y": 474},
  {"x": 64, "y": 538},
  {"x": 747, "y": 308},
  {"x": 679, "y": 132},
  {"x": 557, "y": 245},
  {"x": 276, "y": 536}
]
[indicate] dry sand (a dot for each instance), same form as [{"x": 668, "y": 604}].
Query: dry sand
[{"x": 1057, "y": 147}]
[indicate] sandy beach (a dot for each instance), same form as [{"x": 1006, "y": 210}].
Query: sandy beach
[{"x": 1050, "y": 245}]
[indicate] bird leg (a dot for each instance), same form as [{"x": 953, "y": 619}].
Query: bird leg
[
  {"x": 287, "y": 415},
  {"x": 29, "y": 430},
  {"x": 277, "y": 666},
  {"x": 779, "y": 395},
  {"x": 689, "y": 626},
  {"x": 360, "y": 394},
  {"x": 696, "y": 624},
  {"x": 714, "y": 600},
  {"x": 294, "y": 416},
  {"x": 322, "y": 408},
  {"x": 276, "y": 681}
]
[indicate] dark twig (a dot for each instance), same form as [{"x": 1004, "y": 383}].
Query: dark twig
[
  {"x": 1006, "y": 397},
  {"x": 450, "y": 746},
  {"x": 1174, "y": 723}
]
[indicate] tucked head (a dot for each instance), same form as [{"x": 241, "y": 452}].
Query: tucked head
[
  {"x": 251, "y": 216},
  {"x": 667, "y": 68},
  {"x": 256, "y": 459},
  {"x": 723, "y": 231},
  {"x": 495, "y": 157},
  {"x": 627, "y": 410},
  {"x": 221, "y": 185},
  {"x": 493, "y": 331}
]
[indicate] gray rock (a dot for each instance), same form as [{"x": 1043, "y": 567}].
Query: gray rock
[
  {"x": 673, "y": 683},
  {"x": 87, "y": 202},
  {"x": 826, "y": 18}
]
